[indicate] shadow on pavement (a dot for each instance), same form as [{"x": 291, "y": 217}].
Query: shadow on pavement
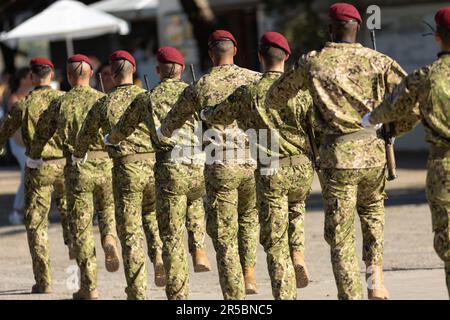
[{"x": 18, "y": 292}]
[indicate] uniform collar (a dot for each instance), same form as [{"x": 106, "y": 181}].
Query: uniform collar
[
  {"x": 272, "y": 74},
  {"x": 81, "y": 88},
  {"x": 223, "y": 66},
  {"x": 343, "y": 45},
  {"x": 170, "y": 80},
  {"x": 124, "y": 85}
]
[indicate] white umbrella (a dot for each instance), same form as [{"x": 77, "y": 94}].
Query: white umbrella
[
  {"x": 114, "y": 6},
  {"x": 66, "y": 20}
]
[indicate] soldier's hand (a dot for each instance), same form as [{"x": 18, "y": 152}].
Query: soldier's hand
[
  {"x": 107, "y": 143},
  {"x": 76, "y": 160},
  {"x": 202, "y": 115},
  {"x": 34, "y": 163},
  {"x": 162, "y": 138},
  {"x": 367, "y": 124}
]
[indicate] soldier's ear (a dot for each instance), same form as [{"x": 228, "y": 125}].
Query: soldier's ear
[
  {"x": 91, "y": 74},
  {"x": 52, "y": 75},
  {"x": 235, "y": 51},
  {"x": 438, "y": 39},
  {"x": 210, "y": 54}
]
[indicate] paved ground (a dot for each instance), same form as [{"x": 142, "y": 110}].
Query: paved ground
[{"x": 413, "y": 270}]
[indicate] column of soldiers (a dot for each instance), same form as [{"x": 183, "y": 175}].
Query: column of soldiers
[{"x": 138, "y": 159}]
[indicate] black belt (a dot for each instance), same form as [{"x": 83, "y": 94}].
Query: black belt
[
  {"x": 296, "y": 160},
  {"x": 134, "y": 158}
]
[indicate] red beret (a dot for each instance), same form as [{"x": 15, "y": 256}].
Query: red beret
[
  {"x": 122, "y": 55},
  {"x": 276, "y": 39},
  {"x": 79, "y": 58},
  {"x": 41, "y": 61},
  {"x": 442, "y": 17},
  {"x": 170, "y": 55},
  {"x": 219, "y": 35},
  {"x": 344, "y": 12}
]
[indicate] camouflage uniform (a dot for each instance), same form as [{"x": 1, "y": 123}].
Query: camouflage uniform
[
  {"x": 346, "y": 81},
  {"x": 281, "y": 195},
  {"x": 39, "y": 183},
  {"x": 230, "y": 187},
  {"x": 88, "y": 184},
  {"x": 180, "y": 186},
  {"x": 133, "y": 184},
  {"x": 429, "y": 87}
]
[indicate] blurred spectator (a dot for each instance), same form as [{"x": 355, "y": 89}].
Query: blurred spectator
[
  {"x": 20, "y": 85},
  {"x": 146, "y": 63},
  {"x": 105, "y": 71}
]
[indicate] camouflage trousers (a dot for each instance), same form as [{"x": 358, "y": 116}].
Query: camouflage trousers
[
  {"x": 179, "y": 203},
  {"x": 39, "y": 185},
  {"x": 346, "y": 191},
  {"x": 281, "y": 206},
  {"x": 89, "y": 190},
  {"x": 134, "y": 196},
  {"x": 438, "y": 195},
  {"x": 232, "y": 223}
]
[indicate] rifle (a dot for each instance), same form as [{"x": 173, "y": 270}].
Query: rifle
[
  {"x": 387, "y": 134},
  {"x": 312, "y": 143},
  {"x": 147, "y": 86},
  {"x": 194, "y": 78},
  {"x": 100, "y": 81}
]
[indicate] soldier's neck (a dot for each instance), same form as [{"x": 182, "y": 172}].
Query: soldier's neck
[
  {"x": 345, "y": 39},
  {"x": 223, "y": 61},
  {"x": 277, "y": 68},
  {"x": 42, "y": 83},
  {"x": 79, "y": 84}
]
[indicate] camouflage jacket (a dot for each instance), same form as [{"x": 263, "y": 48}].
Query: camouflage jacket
[
  {"x": 346, "y": 81},
  {"x": 27, "y": 114},
  {"x": 247, "y": 106},
  {"x": 430, "y": 88},
  {"x": 211, "y": 89},
  {"x": 104, "y": 115},
  {"x": 151, "y": 108},
  {"x": 66, "y": 116}
]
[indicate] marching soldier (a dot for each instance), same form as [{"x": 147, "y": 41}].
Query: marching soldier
[
  {"x": 230, "y": 186},
  {"x": 179, "y": 179},
  {"x": 133, "y": 181},
  {"x": 89, "y": 183},
  {"x": 430, "y": 88},
  {"x": 346, "y": 80},
  {"x": 281, "y": 194},
  {"x": 42, "y": 179}
]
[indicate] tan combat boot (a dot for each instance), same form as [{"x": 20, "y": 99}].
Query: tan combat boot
[
  {"x": 301, "y": 272},
  {"x": 200, "y": 261},
  {"x": 375, "y": 283},
  {"x": 85, "y": 295},
  {"x": 160, "y": 273},
  {"x": 41, "y": 289},
  {"x": 250, "y": 281},
  {"x": 111, "y": 253}
]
